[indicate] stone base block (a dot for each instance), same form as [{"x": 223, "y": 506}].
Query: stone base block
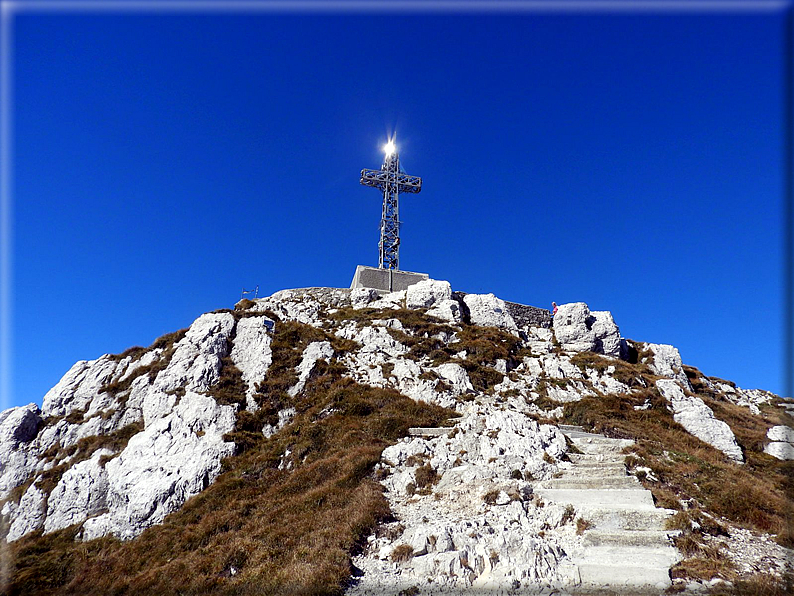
[{"x": 384, "y": 280}]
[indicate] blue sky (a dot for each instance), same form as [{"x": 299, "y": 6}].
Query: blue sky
[{"x": 631, "y": 161}]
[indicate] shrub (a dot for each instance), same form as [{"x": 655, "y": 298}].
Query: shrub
[
  {"x": 582, "y": 525},
  {"x": 402, "y": 553},
  {"x": 491, "y": 496},
  {"x": 244, "y": 304},
  {"x": 425, "y": 476}
]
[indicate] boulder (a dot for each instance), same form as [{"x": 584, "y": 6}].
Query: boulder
[
  {"x": 426, "y": 293},
  {"x": 489, "y": 311},
  {"x": 781, "y": 443},
  {"x": 698, "y": 419},
  {"x": 607, "y": 334},
  {"x": 579, "y": 330},
  {"x": 780, "y": 450},
  {"x": 446, "y": 310},
  {"x": 781, "y": 433},
  {"x": 667, "y": 363}
]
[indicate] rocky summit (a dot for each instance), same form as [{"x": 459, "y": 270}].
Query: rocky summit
[{"x": 328, "y": 441}]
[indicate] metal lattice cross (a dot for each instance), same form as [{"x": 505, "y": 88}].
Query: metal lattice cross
[{"x": 392, "y": 181}]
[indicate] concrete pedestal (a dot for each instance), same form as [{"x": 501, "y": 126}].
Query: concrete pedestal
[{"x": 384, "y": 280}]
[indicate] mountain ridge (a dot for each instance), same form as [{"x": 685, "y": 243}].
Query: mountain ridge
[{"x": 310, "y": 378}]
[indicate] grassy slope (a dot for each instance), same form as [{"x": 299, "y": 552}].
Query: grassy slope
[{"x": 283, "y": 532}]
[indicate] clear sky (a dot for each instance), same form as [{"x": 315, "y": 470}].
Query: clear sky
[{"x": 164, "y": 161}]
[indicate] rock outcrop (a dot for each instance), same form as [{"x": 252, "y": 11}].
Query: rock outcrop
[
  {"x": 781, "y": 442},
  {"x": 579, "y": 330},
  {"x": 698, "y": 419}
]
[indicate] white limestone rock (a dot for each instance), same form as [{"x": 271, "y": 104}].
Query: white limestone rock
[
  {"x": 780, "y": 449},
  {"x": 479, "y": 530},
  {"x": 607, "y": 334},
  {"x": 311, "y": 354},
  {"x": 194, "y": 366},
  {"x": 748, "y": 398},
  {"x": 456, "y": 377},
  {"x": 251, "y": 352},
  {"x": 145, "y": 360},
  {"x": 18, "y": 457},
  {"x": 781, "y": 443},
  {"x": 559, "y": 367},
  {"x": 374, "y": 339},
  {"x": 29, "y": 515},
  {"x": 781, "y": 433},
  {"x": 302, "y": 305},
  {"x": 446, "y": 310},
  {"x": 571, "y": 392},
  {"x": 81, "y": 493},
  {"x": 362, "y": 297},
  {"x": 698, "y": 419},
  {"x": 79, "y": 386},
  {"x": 164, "y": 465},
  {"x": 539, "y": 340},
  {"x": 285, "y": 416},
  {"x": 489, "y": 311},
  {"x": 579, "y": 330},
  {"x": 667, "y": 363},
  {"x": 196, "y": 362},
  {"x": 392, "y": 300},
  {"x": 426, "y": 293}
]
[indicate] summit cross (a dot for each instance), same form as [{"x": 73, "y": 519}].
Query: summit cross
[{"x": 392, "y": 181}]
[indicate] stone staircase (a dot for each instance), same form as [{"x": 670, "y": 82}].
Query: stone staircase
[{"x": 626, "y": 548}]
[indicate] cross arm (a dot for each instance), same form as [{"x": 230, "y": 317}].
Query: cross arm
[{"x": 379, "y": 178}]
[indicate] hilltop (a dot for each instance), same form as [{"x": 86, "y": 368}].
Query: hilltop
[{"x": 326, "y": 440}]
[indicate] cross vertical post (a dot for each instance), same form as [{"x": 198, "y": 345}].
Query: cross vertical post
[{"x": 392, "y": 181}]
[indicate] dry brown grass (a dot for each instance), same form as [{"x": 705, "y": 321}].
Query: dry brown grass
[
  {"x": 285, "y": 531},
  {"x": 402, "y": 553},
  {"x": 582, "y": 525}
]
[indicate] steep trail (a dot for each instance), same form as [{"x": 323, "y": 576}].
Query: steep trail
[{"x": 626, "y": 548}]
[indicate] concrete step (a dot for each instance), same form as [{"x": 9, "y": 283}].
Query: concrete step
[
  {"x": 636, "y": 579},
  {"x": 630, "y": 557},
  {"x": 602, "y": 440},
  {"x": 647, "y": 538},
  {"x": 626, "y": 518},
  {"x": 578, "y": 458},
  {"x": 595, "y": 483},
  {"x": 595, "y": 471},
  {"x": 598, "y": 448},
  {"x": 589, "y": 462},
  {"x": 441, "y": 431},
  {"x": 570, "y": 428},
  {"x": 584, "y": 497},
  {"x": 580, "y": 434}
]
